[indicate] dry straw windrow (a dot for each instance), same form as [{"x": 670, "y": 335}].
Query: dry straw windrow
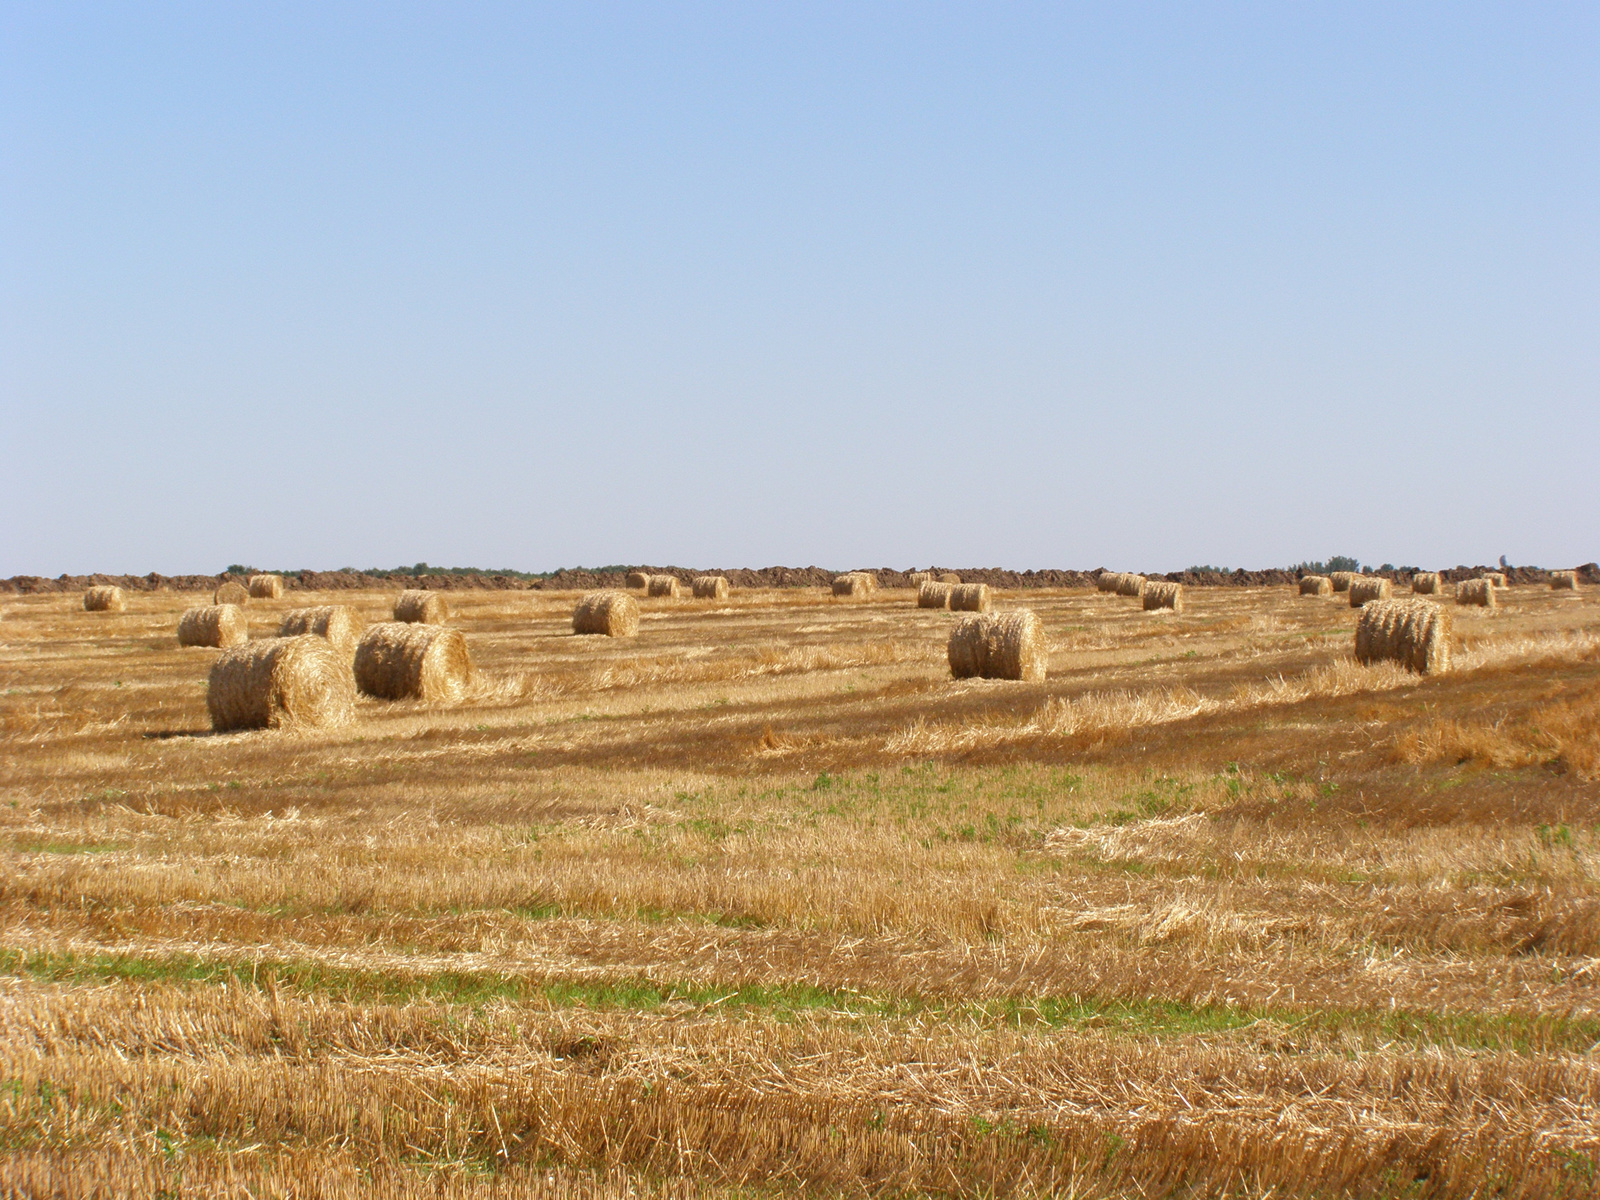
[
  {"x": 1414, "y": 633},
  {"x": 1364, "y": 589},
  {"x": 221, "y": 625},
  {"x": 971, "y": 597},
  {"x": 934, "y": 595},
  {"x": 665, "y": 585},
  {"x": 1161, "y": 595},
  {"x": 103, "y": 598},
  {"x": 421, "y": 608},
  {"x": 1129, "y": 584},
  {"x": 338, "y": 624},
  {"x": 266, "y": 587},
  {"x": 273, "y": 683},
  {"x": 998, "y": 646},
  {"x": 1479, "y": 592},
  {"x": 1425, "y": 583},
  {"x": 1341, "y": 580},
  {"x": 612, "y": 613},
  {"x": 399, "y": 660},
  {"x": 1316, "y": 585},
  {"x": 710, "y": 587},
  {"x": 231, "y": 593},
  {"x": 1564, "y": 581},
  {"x": 637, "y": 579}
]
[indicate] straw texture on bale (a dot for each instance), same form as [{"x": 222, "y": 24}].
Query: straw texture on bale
[
  {"x": 710, "y": 587},
  {"x": 221, "y": 625},
  {"x": 637, "y": 579},
  {"x": 612, "y": 613},
  {"x": 933, "y": 594},
  {"x": 949, "y": 577},
  {"x": 1316, "y": 585},
  {"x": 1130, "y": 585},
  {"x": 1564, "y": 581},
  {"x": 401, "y": 660},
  {"x": 1496, "y": 579},
  {"x": 103, "y": 598},
  {"x": 231, "y": 593},
  {"x": 1159, "y": 595},
  {"x": 1364, "y": 589},
  {"x": 854, "y": 584},
  {"x": 917, "y": 578},
  {"x": 665, "y": 585},
  {"x": 421, "y": 608},
  {"x": 1425, "y": 583},
  {"x": 1414, "y": 633},
  {"x": 971, "y": 597},
  {"x": 280, "y": 682},
  {"x": 1107, "y": 581},
  {"x": 266, "y": 587},
  {"x": 1341, "y": 580},
  {"x": 335, "y": 622},
  {"x": 1476, "y": 591},
  {"x": 998, "y": 646}
]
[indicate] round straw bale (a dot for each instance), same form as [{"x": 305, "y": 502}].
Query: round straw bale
[
  {"x": 934, "y": 595},
  {"x": 421, "y": 608},
  {"x": 399, "y": 660},
  {"x": 335, "y": 622},
  {"x": 917, "y": 578},
  {"x": 710, "y": 587},
  {"x": 231, "y": 593},
  {"x": 1341, "y": 580},
  {"x": 1159, "y": 595},
  {"x": 971, "y": 597},
  {"x": 637, "y": 579},
  {"x": 613, "y": 613},
  {"x": 665, "y": 585},
  {"x": 1564, "y": 581},
  {"x": 853, "y": 584},
  {"x": 1130, "y": 585},
  {"x": 1414, "y": 633},
  {"x": 998, "y": 646},
  {"x": 266, "y": 587},
  {"x": 1106, "y": 581},
  {"x": 1476, "y": 591},
  {"x": 1496, "y": 578},
  {"x": 1316, "y": 585},
  {"x": 213, "y": 625},
  {"x": 949, "y": 577},
  {"x": 103, "y": 598},
  {"x": 1366, "y": 588},
  {"x": 278, "y": 682},
  {"x": 1425, "y": 583}
]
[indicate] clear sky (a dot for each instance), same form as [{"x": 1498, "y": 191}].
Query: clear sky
[{"x": 1122, "y": 284}]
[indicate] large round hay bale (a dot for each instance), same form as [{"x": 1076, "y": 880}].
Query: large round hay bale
[
  {"x": 1414, "y": 633},
  {"x": 710, "y": 587},
  {"x": 971, "y": 597},
  {"x": 335, "y": 622},
  {"x": 416, "y": 607},
  {"x": 917, "y": 578},
  {"x": 998, "y": 646},
  {"x": 1316, "y": 585},
  {"x": 949, "y": 577},
  {"x": 1106, "y": 581},
  {"x": 612, "y": 613},
  {"x": 1479, "y": 592},
  {"x": 278, "y": 682},
  {"x": 637, "y": 579},
  {"x": 266, "y": 587},
  {"x": 1425, "y": 583},
  {"x": 1129, "y": 584},
  {"x": 1159, "y": 595},
  {"x": 934, "y": 595},
  {"x": 403, "y": 660},
  {"x": 213, "y": 625},
  {"x": 855, "y": 584},
  {"x": 665, "y": 585},
  {"x": 103, "y": 598},
  {"x": 1496, "y": 578},
  {"x": 1366, "y": 588},
  {"x": 1564, "y": 581},
  {"x": 1341, "y": 580},
  {"x": 231, "y": 593}
]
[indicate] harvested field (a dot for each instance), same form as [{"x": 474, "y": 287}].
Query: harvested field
[{"x": 762, "y": 902}]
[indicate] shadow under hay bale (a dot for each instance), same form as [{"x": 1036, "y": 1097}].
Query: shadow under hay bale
[
  {"x": 104, "y": 598},
  {"x": 231, "y": 593},
  {"x": 1159, "y": 596},
  {"x": 1478, "y": 592},
  {"x": 335, "y": 622},
  {"x": 266, "y": 587},
  {"x": 1564, "y": 581},
  {"x": 665, "y": 585},
  {"x": 612, "y": 613},
  {"x": 1364, "y": 589},
  {"x": 710, "y": 587},
  {"x": 274, "y": 683},
  {"x": 1341, "y": 580},
  {"x": 399, "y": 660},
  {"x": 416, "y": 607},
  {"x": 934, "y": 595},
  {"x": 221, "y": 625},
  {"x": 998, "y": 646},
  {"x": 971, "y": 597},
  {"x": 1316, "y": 585},
  {"x": 1414, "y": 633},
  {"x": 637, "y": 579},
  {"x": 1425, "y": 583}
]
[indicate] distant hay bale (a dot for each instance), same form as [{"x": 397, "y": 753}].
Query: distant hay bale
[
  {"x": 665, "y": 585},
  {"x": 1564, "y": 581},
  {"x": 1159, "y": 595},
  {"x": 1316, "y": 585},
  {"x": 934, "y": 595},
  {"x": 857, "y": 584},
  {"x": 917, "y": 578},
  {"x": 971, "y": 597},
  {"x": 266, "y": 587},
  {"x": 421, "y": 608},
  {"x": 998, "y": 646},
  {"x": 1364, "y": 589},
  {"x": 1107, "y": 581},
  {"x": 1425, "y": 583},
  {"x": 1414, "y": 633},
  {"x": 710, "y": 587},
  {"x": 1496, "y": 578},
  {"x": 401, "y": 660},
  {"x": 612, "y": 613},
  {"x": 637, "y": 579},
  {"x": 221, "y": 625},
  {"x": 335, "y": 622},
  {"x": 231, "y": 593},
  {"x": 949, "y": 577},
  {"x": 103, "y": 598},
  {"x": 1476, "y": 591},
  {"x": 280, "y": 682},
  {"x": 1130, "y": 585},
  {"x": 1341, "y": 580}
]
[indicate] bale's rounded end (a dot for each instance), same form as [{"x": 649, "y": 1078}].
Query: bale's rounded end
[{"x": 277, "y": 683}]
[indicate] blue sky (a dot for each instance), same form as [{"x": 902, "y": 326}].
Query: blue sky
[{"x": 1018, "y": 285}]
